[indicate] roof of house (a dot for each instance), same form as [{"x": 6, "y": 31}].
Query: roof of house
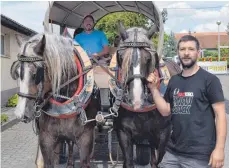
[
  {"x": 7, "y": 22},
  {"x": 208, "y": 40}
]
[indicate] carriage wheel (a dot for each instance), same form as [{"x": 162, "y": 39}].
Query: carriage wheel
[{"x": 143, "y": 155}]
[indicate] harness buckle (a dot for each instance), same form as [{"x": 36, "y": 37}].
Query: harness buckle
[
  {"x": 37, "y": 114},
  {"x": 113, "y": 112},
  {"x": 83, "y": 116}
]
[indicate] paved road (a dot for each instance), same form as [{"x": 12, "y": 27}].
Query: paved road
[
  {"x": 224, "y": 79},
  {"x": 18, "y": 144},
  {"x": 19, "y": 148}
]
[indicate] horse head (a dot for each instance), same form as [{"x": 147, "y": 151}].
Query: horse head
[
  {"x": 137, "y": 58},
  {"x": 40, "y": 68}
]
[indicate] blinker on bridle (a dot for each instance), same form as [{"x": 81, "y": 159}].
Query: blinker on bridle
[{"x": 39, "y": 77}]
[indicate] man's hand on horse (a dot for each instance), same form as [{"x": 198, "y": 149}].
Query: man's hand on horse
[{"x": 152, "y": 81}]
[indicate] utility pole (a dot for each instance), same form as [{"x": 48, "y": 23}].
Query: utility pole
[{"x": 218, "y": 23}]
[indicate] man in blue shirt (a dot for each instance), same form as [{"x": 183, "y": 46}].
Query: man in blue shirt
[{"x": 94, "y": 42}]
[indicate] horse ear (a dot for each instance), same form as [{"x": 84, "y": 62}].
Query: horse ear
[
  {"x": 122, "y": 31},
  {"x": 20, "y": 39},
  {"x": 151, "y": 32},
  {"x": 40, "y": 47},
  {"x": 66, "y": 33}
]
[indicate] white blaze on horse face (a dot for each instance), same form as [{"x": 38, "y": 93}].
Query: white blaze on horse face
[
  {"x": 138, "y": 90},
  {"x": 24, "y": 88}
]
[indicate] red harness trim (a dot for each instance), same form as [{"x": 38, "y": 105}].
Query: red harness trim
[
  {"x": 147, "y": 108},
  {"x": 80, "y": 86},
  {"x": 143, "y": 110}
]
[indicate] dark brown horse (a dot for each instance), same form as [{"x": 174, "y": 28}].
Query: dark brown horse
[
  {"x": 46, "y": 61},
  {"x": 139, "y": 123}
]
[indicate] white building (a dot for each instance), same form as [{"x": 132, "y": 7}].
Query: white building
[{"x": 9, "y": 51}]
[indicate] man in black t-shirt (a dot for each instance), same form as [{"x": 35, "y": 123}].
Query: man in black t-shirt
[{"x": 195, "y": 100}]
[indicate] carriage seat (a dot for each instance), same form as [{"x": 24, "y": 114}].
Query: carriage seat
[{"x": 102, "y": 79}]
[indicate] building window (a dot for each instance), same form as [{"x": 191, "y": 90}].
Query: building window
[
  {"x": 2, "y": 45},
  {"x": 5, "y": 45}
]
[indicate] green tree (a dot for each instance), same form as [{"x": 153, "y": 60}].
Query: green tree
[
  {"x": 170, "y": 46},
  {"x": 156, "y": 38},
  {"x": 224, "y": 52},
  {"x": 108, "y": 24},
  {"x": 210, "y": 53},
  {"x": 227, "y": 30}
]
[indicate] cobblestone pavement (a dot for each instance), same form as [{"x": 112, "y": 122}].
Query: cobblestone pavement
[
  {"x": 19, "y": 143},
  {"x": 18, "y": 147}
]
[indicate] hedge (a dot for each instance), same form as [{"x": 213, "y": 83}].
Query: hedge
[{"x": 12, "y": 101}]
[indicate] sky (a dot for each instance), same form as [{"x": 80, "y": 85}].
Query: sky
[{"x": 183, "y": 16}]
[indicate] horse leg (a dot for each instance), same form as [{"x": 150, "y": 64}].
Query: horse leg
[
  {"x": 164, "y": 138},
  {"x": 39, "y": 158},
  {"x": 127, "y": 148},
  {"x": 47, "y": 145},
  {"x": 154, "y": 157},
  {"x": 86, "y": 145},
  {"x": 70, "y": 163}
]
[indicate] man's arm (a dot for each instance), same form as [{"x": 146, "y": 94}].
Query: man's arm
[
  {"x": 221, "y": 124},
  {"x": 162, "y": 105},
  {"x": 217, "y": 156},
  {"x": 216, "y": 98},
  {"x": 105, "y": 51}
]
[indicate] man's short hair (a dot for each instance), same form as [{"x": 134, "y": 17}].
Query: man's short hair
[
  {"x": 89, "y": 16},
  {"x": 189, "y": 38}
]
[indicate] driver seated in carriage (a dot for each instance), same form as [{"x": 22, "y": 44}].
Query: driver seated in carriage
[{"x": 94, "y": 42}]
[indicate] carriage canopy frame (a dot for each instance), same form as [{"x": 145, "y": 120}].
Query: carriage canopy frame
[{"x": 71, "y": 13}]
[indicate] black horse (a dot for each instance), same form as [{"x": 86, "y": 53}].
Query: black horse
[{"x": 139, "y": 123}]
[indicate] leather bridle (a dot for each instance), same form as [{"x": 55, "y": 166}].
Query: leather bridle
[{"x": 135, "y": 44}]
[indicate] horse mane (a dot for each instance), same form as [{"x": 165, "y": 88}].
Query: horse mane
[
  {"x": 126, "y": 64},
  {"x": 59, "y": 58}
]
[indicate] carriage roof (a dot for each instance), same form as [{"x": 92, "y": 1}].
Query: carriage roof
[{"x": 71, "y": 13}]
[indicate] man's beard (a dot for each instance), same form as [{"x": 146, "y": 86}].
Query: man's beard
[{"x": 187, "y": 66}]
